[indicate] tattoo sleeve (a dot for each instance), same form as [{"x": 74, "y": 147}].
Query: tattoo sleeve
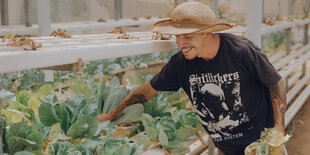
[
  {"x": 133, "y": 99},
  {"x": 278, "y": 98},
  {"x": 140, "y": 95}
]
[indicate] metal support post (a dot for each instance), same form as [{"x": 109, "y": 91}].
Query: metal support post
[
  {"x": 290, "y": 6},
  {"x": 1, "y": 148},
  {"x": 49, "y": 75},
  {"x": 254, "y": 21},
  {"x": 181, "y": 1},
  {"x": 215, "y": 8},
  {"x": 4, "y": 12},
  {"x": 211, "y": 146},
  {"x": 44, "y": 21},
  {"x": 288, "y": 37},
  {"x": 27, "y": 13},
  {"x": 288, "y": 41},
  {"x": 44, "y": 18},
  {"x": 117, "y": 9},
  {"x": 305, "y": 42},
  {"x": 286, "y": 84}
]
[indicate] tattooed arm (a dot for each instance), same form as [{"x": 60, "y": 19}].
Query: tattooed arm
[
  {"x": 140, "y": 95},
  {"x": 278, "y": 98}
]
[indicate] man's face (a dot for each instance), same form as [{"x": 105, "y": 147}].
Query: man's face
[{"x": 190, "y": 44}]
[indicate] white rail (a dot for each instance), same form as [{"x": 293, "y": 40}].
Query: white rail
[
  {"x": 91, "y": 25},
  {"x": 58, "y": 51},
  {"x": 284, "y": 25}
]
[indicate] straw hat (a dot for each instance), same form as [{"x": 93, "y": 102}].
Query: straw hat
[{"x": 190, "y": 17}]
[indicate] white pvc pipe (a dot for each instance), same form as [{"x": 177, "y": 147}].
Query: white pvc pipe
[
  {"x": 44, "y": 18},
  {"x": 254, "y": 21},
  {"x": 49, "y": 75},
  {"x": 53, "y": 56},
  {"x": 215, "y": 8}
]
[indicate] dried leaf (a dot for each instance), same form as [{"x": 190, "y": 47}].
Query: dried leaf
[
  {"x": 7, "y": 35},
  {"x": 61, "y": 33},
  {"x": 117, "y": 31},
  {"x": 101, "y": 20},
  {"x": 127, "y": 36},
  {"x": 27, "y": 43},
  {"x": 135, "y": 18}
]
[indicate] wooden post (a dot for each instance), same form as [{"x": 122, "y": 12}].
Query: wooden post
[{"x": 4, "y": 12}]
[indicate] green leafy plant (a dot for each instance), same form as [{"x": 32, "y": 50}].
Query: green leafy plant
[
  {"x": 169, "y": 133},
  {"x": 131, "y": 113},
  {"x": 112, "y": 95},
  {"x": 73, "y": 115},
  {"x": 119, "y": 147},
  {"x": 158, "y": 106},
  {"x": 21, "y": 137}
]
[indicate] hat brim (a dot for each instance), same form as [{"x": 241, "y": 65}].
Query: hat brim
[{"x": 167, "y": 27}]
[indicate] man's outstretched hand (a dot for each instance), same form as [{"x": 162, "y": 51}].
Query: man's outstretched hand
[{"x": 105, "y": 117}]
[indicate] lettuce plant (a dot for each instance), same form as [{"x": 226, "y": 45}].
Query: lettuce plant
[{"x": 23, "y": 137}]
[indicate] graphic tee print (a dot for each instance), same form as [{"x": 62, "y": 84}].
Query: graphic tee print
[
  {"x": 229, "y": 92},
  {"x": 217, "y": 101}
]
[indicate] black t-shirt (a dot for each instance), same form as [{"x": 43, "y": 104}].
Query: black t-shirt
[{"x": 229, "y": 92}]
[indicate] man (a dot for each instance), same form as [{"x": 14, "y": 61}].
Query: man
[{"x": 234, "y": 89}]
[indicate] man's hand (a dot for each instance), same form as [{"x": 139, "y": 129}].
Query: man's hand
[
  {"x": 105, "y": 117},
  {"x": 140, "y": 95}
]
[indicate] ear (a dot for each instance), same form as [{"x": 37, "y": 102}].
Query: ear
[{"x": 208, "y": 34}]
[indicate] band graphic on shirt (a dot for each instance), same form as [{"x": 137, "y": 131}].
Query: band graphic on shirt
[{"x": 217, "y": 101}]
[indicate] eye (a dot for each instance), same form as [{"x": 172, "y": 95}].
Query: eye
[{"x": 188, "y": 36}]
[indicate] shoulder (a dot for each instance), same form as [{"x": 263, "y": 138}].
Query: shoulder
[{"x": 239, "y": 44}]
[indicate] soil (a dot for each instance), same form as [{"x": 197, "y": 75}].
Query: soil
[{"x": 299, "y": 143}]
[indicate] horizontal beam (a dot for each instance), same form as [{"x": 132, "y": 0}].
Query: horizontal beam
[
  {"x": 19, "y": 30},
  {"x": 298, "y": 103},
  {"x": 140, "y": 21},
  {"x": 289, "y": 69},
  {"x": 77, "y": 26},
  {"x": 284, "y": 61},
  {"x": 293, "y": 92},
  {"x": 17, "y": 59},
  {"x": 283, "y": 26},
  {"x": 108, "y": 24}
]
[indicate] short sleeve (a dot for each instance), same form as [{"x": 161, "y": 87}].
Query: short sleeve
[
  {"x": 259, "y": 66},
  {"x": 167, "y": 79}
]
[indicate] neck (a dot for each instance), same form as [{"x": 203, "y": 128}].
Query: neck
[{"x": 211, "y": 47}]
